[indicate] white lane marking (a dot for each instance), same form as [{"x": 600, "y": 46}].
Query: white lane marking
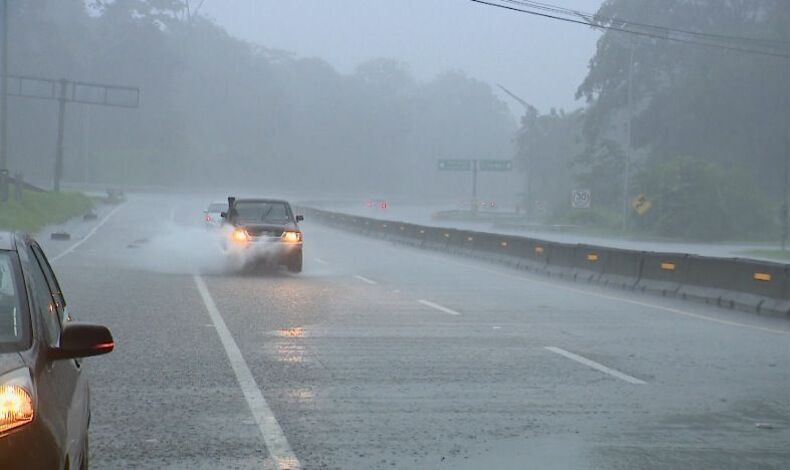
[
  {"x": 272, "y": 433},
  {"x": 441, "y": 308},
  {"x": 320, "y": 261},
  {"x": 595, "y": 365},
  {"x": 87, "y": 236},
  {"x": 675, "y": 311},
  {"x": 173, "y": 212},
  {"x": 366, "y": 280}
]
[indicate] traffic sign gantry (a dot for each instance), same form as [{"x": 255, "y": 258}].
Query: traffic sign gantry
[
  {"x": 455, "y": 165},
  {"x": 495, "y": 165}
]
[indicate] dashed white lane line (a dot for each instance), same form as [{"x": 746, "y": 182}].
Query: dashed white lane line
[
  {"x": 595, "y": 365},
  {"x": 438, "y": 307},
  {"x": 272, "y": 433},
  {"x": 554, "y": 285},
  {"x": 320, "y": 261},
  {"x": 365, "y": 280},
  {"x": 87, "y": 235}
]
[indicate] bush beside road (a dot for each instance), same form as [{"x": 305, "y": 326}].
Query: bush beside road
[{"x": 37, "y": 210}]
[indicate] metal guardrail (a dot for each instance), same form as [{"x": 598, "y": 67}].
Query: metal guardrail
[{"x": 757, "y": 286}]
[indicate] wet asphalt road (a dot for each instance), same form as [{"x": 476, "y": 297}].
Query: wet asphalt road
[{"x": 380, "y": 356}]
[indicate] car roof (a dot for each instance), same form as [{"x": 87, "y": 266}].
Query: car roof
[{"x": 7, "y": 241}]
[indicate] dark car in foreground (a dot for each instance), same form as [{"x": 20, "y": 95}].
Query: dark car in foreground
[
  {"x": 44, "y": 395},
  {"x": 265, "y": 231}
]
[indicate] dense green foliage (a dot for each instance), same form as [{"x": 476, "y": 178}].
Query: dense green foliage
[
  {"x": 694, "y": 199},
  {"x": 729, "y": 111}
]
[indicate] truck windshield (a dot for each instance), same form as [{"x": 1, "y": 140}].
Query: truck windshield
[{"x": 262, "y": 212}]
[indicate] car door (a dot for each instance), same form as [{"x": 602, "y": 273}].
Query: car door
[{"x": 68, "y": 392}]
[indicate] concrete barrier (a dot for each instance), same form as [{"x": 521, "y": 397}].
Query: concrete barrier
[
  {"x": 662, "y": 273},
  {"x": 758, "y": 286},
  {"x": 620, "y": 268}
]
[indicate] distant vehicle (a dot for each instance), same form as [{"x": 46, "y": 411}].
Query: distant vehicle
[
  {"x": 212, "y": 216},
  {"x": 266, "y": 231},
  {"x": 44, "y": 396}
]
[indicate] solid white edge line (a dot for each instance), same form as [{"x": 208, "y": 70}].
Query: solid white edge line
[
  {"x": 320, "y": 261},
  {"x": 365, "y": 280},
  {"x": 436, "y": 306},
  {"x": 273, "y": 436},
  {"x": 87, "y": 236},
  {"x": 595, "y": 365}
]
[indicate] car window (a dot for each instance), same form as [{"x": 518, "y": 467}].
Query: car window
[
  {"x": 11, "y": 324},
  {"x": 52, "y": 281},
  {"x": 45, "y": 304},
  {"x": 262, "y": 212}
]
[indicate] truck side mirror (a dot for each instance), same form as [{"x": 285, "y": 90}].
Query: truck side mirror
[{"x": 299, "y": 218}]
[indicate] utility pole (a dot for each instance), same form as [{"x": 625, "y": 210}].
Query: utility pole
[
  {"x": 4, "y": 179},
  {"x": 4, "y": 90},
  {"x": 627, "y": 171},
  {"x": 61, "y": 123},
  {"x": 784, "y": 194}
]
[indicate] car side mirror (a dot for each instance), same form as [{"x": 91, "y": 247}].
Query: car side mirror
[
  {"x": 82, "y": 340},
  {"x": 299, "y": 218},
  {"x": 224, "y": 215}
]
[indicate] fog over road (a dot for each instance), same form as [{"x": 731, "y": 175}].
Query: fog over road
[
  {"x": 381, "y": 356},
  {"x": 423, "y": 214}
]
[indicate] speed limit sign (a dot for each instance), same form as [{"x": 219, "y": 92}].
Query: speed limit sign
[{"x": 581, "y": 198}]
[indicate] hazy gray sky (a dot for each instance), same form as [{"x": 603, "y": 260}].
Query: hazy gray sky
[{"x": 540, "y": 59}]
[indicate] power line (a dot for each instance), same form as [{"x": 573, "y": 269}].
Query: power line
[
  {"x": 622, "y": 23},
  {"x": 611, "y": 27}
]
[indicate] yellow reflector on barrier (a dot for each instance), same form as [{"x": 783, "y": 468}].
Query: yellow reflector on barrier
[
  {"x": 446, "y": 235},
  {"x": 762, "y": 277},
  {"x": 422, "y": 231},
  {"x": 383, "y": 225},
  {"x": 503, "y": 243},
  {"x": 592, "y": 257},
  {"x": 469, "y": 239},
  {"x": 539, "y": 250},
  {"x": 668, "y": 266}
]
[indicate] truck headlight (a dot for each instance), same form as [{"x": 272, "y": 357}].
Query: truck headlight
[
  {"x": 240, "y": 235},
  {"x": 292, "y": 237},
  {"x": 17, "y": 399}
]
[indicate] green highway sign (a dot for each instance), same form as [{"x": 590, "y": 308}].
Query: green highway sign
[
  {"x": 495, "y": 165},
  {"x": 455, "y": 165}
]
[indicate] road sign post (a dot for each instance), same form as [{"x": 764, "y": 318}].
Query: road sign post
[
  {"x": 581, "y": 198},
  {"x": 474, "y": 166}
]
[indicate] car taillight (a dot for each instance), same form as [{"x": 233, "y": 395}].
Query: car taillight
[
  {"x": 17, "y": 403},
  {"x": 292, "y": 237},
  {"x": 208, "y": 218}
]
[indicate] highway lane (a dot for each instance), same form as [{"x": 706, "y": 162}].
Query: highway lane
[{"x": 380, "y": 356}]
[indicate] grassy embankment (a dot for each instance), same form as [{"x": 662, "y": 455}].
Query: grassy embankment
[{"x": 36, "y": 210}]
